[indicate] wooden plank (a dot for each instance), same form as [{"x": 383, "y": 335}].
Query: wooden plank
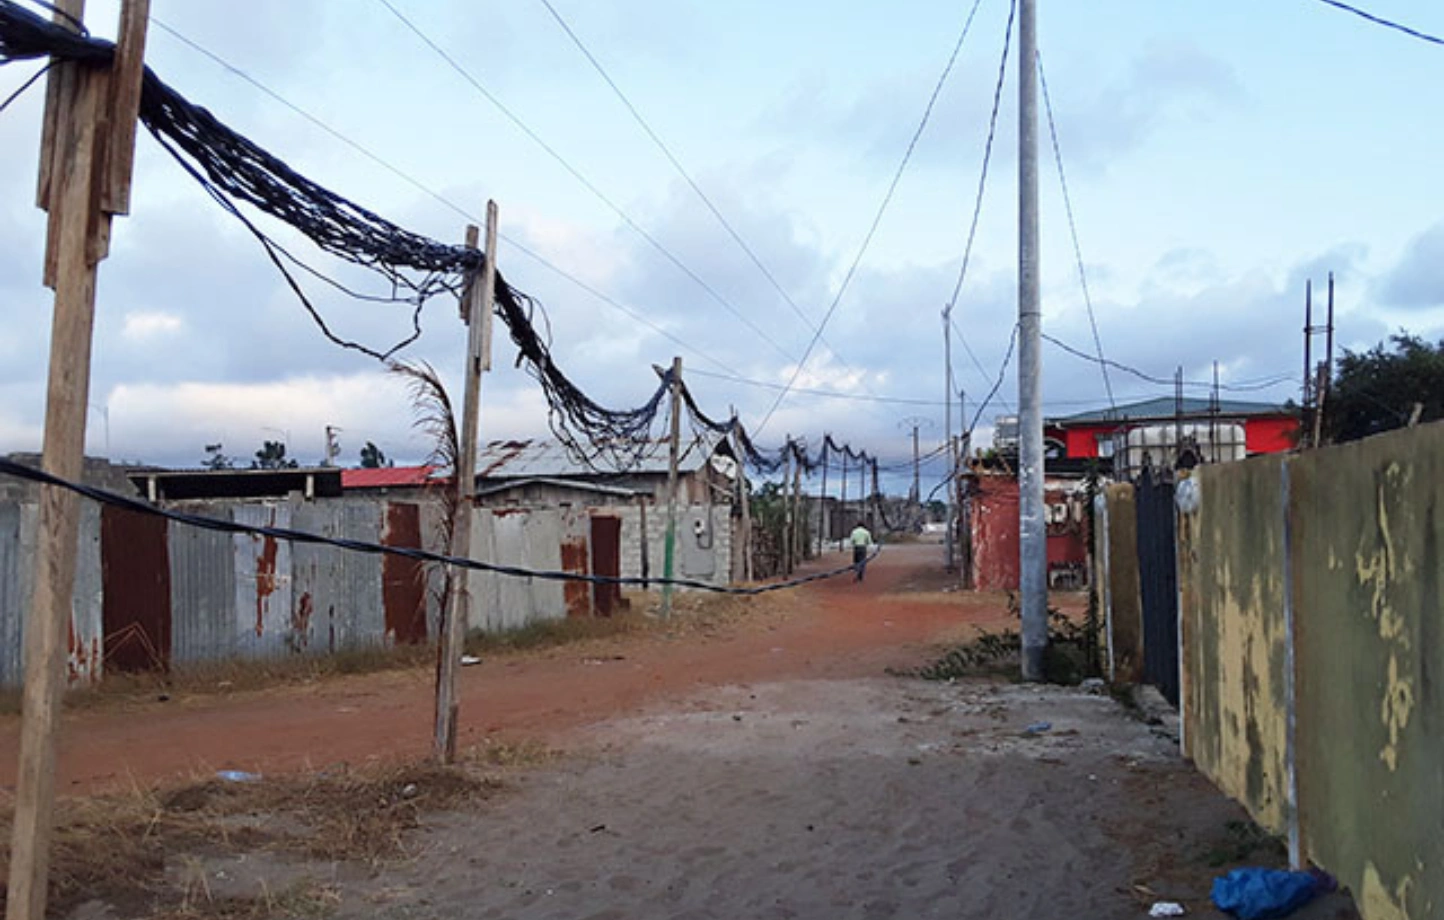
[
  {"x": 125, "y": 89},
  {"x": 75, "y": 138},
  {"x": 71, "y": 169},
  {"x": 478, "y": 303}
]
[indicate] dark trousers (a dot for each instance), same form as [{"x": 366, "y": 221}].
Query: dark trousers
[{"x": 859, "y": 561}]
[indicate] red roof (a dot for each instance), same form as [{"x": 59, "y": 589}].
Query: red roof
[{"x": 387, "y": 477}]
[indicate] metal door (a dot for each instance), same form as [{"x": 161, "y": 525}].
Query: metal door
[
  {"x": 607, "y": 561},
  {"x": 135, "y": 593},
  {"x": 403, "y": 580},
  {"x": 1158, "y": 581}
]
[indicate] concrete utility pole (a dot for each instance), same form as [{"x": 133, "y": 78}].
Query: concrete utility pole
[
  {"x": 476, "y": 313},
  {"x": 948, "y": 429},
  {"x": 669, "y": 545},
  {"x": 1032, "y": 526},
  {"x": 87, "y": 149}
]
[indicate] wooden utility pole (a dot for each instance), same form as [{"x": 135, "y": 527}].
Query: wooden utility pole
[
  {"x": 787, "y": 508},
  {"x": 1307, "y": 426},
  {"x": 822, "y": 517},
  {"x": 669, "y": 545},
  {"x": 87, "y": 150},
  {"x": 798, "y": 552},
  {"x": 876, "y": 501},
  {"x": 745, "y": 497},
  {"x": 476, "y": 313}
]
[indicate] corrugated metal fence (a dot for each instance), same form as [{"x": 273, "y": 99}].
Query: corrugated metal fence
[{"x": 152, "y": 594}]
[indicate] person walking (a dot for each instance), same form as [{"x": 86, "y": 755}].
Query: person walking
[{"x": 861, "y": 539}]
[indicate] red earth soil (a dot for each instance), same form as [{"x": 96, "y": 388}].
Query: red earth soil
[{"x": 830, "y": 629}]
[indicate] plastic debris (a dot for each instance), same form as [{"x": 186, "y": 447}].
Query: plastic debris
[
  {"x": 238, "y": 776},
  {"x": 1166, "y": 909},
  {"x": 1037, "y": 728},
  {"x": 1094, "y": 685},
  {"x": 1265, "y": 894},
  {"x": 467, "y": 660}
]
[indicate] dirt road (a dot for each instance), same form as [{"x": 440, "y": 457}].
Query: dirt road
[
  {"x": 768, "y": 769},
  {"x": 832, "y": 629}
]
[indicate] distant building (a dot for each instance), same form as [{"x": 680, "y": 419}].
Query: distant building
[{"x": 1161, "y": 431}]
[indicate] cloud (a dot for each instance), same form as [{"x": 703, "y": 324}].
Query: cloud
[
  {"x": 142, "y": 325},
  {"x": 1417, "y": 280},
  {"x": 1101, "y": 116}
]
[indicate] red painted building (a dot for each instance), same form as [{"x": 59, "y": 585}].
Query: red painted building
[{"x": 1267, "y": 428}]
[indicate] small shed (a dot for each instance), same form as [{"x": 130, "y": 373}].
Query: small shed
[{"x": 626, "y": 505}]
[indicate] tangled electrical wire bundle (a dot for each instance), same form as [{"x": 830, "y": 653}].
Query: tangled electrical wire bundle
[{"x": 234, "y": 170}]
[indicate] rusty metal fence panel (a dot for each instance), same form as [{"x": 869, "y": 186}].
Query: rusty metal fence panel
[
  {"x": 203, "y": 591},
  {"x": 262, "y": 583}
]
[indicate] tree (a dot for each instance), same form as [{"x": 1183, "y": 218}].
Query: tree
[
  {"x": 272, "y": 456},
  {"x": 372, "y": 457},
  {"x": 1377, "y": 390},
  {"x": 215, "y": 460}
]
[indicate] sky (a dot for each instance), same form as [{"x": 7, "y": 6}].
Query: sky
[{"x": 1219, "y": 154}]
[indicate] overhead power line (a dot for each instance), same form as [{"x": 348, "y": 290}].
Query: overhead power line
[
  {"x": 1386, "y": 23},
  {"x": 685, "y": 174},
  {"x": 1073, "y": 229},
  {"x": 1262, "y": 384},
  {"x": 877, "y": 218},
  {"x": 978, "y": 199},
  {"x": 436, "y": 196},
  {"x": 586, "y": 183}
]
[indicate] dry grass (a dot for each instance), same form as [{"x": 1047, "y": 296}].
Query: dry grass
[{"x": 118, "y": 848}]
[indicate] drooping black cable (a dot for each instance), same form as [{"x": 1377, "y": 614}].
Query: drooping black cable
[
  {"x": 23, "y": 87},
  {"x": 235, "y": 171},
  {"x": 219, "y": 525}
]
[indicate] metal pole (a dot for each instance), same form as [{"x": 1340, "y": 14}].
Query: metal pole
[
  {"x": 1321, "y": 398},
  {"x": 795, "y": 535},
  {"x": 669, "y": 545},
  {"x": 843, "y": 501},
  {"x": 1032, "y": 529}
]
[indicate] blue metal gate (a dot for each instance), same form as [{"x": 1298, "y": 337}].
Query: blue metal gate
[{"x": 1158, "y": 580}]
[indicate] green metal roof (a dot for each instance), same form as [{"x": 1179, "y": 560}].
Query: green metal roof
[{"x": 1166, "y": 406}]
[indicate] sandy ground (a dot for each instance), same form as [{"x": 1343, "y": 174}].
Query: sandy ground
[
  {"x": 869, "y": 798},
  {"x": 771, "y": 769}
]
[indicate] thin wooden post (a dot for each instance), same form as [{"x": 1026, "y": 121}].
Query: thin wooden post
[
  {"x": 744, "y": 495},
  {"x": 477, "y": 301},
  {"x": 822, "y": 517},
  {"x": 86, "y": 150},
  {"x": 798, "y": 551},
  {"x": 669, "y": 545},
  {"x": 843, "y": 502},
  {"x": 876, "y": 501}
]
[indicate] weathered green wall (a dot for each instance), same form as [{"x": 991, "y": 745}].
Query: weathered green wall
[
  {"x": 1122, "y": 594},
  {"x": 1235, "y": 630},
  {"x": 1368, "y": 523}
]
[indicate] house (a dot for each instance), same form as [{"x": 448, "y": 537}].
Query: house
[
  {"x": 1154, "y": 430},
  {"x": 625, "y": 505}
]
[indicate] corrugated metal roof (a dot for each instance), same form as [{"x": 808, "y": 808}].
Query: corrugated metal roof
[
  {"x": 1166, "y": 406},
  {"x": 559, "y": 483},
  {"x": 550, "y": 459},
  {"x": 388, "y": 477}
]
